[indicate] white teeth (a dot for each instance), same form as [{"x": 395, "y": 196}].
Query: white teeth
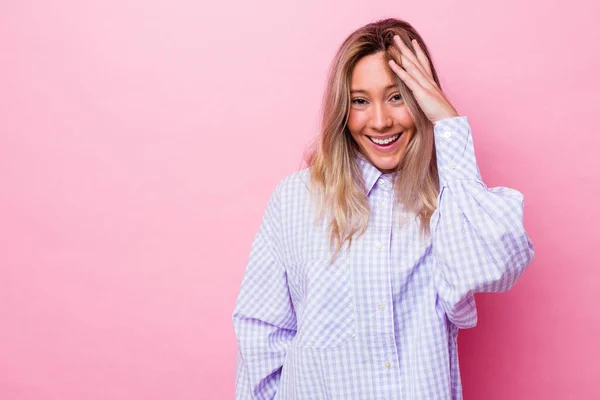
[{"x": 386, "y": 141}]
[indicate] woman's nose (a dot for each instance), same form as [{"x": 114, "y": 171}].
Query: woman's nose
[{"x": 381, "y": 119}]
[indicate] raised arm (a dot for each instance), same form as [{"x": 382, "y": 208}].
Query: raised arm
[{"x": 478, "y": 239}]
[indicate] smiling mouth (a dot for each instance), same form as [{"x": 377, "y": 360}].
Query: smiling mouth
[{"x": 385, "y": 142}]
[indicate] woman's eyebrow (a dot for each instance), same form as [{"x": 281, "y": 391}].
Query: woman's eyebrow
[{"x": 393, "y": 85}]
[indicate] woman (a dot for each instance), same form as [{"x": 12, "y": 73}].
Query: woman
[{"x": 365, "y": 264}]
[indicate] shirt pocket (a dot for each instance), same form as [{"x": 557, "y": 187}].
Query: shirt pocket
[{"x": 325, "y": 306}]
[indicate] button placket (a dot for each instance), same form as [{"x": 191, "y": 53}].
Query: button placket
[{"x": 383, "y": 332}]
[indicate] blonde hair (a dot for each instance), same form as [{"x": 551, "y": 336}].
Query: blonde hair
[{"x": 336, "y": 179}]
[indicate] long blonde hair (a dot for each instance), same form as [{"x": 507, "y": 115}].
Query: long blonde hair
[{"x": 336, "y": 180}]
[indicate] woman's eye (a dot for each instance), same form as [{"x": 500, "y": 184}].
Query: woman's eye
[
  {"x": 358, "y": 101},
  {"x": 397, "y": 97}
]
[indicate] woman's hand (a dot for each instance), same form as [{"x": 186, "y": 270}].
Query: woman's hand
[{"x": 415, "y": 73}]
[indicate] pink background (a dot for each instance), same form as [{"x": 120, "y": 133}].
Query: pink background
[{"x": 140, "y": 140}]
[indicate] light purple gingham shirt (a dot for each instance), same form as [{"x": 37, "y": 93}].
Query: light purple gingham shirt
[{"x": 380, "y": 322}]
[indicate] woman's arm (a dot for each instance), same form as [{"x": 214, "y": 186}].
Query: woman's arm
[
  {"x": 478, "y": 239},
  {"x": 264, "y": 319}
]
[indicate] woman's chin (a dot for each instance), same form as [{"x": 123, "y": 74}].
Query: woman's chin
[{"x": 386, "y": 165}]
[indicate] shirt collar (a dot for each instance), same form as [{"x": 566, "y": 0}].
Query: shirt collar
[{"x": 370, "y": 173}]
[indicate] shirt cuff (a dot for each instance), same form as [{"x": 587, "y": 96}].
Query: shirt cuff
[{"x": 454, "y": 150}]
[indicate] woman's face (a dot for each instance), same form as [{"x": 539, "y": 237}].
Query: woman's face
[{"x": 377, "y": 112}]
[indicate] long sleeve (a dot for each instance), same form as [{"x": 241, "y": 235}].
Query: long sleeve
[
  {"x": 264, "y": 319},
  {"x": 478, "y": 240}
]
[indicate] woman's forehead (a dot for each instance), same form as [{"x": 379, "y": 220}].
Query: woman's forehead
[{"x": 372, "y": 74}]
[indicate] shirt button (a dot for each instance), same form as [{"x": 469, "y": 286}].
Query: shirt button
[
  {"x": 452, "y": 165},
  {"x": 378, "y": 246},
  {"x": 381, "y": 182},
  {"x": 447, "y": 134},
  {"x": 381, "y": 204},
  {"x": 380, "y": 307},
  {"x": 388, "y": 364}
]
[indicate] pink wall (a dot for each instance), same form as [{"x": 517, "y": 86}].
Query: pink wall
[{"x": 134, "y": 170}]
